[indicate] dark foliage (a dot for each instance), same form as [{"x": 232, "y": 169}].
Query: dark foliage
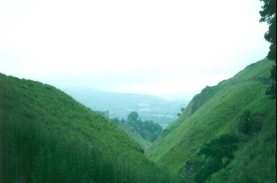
[
  {"x": 219, "y": 148},
  {"x": 268, "y": 14},
  {"x": 211, "y": 167},
  {"x": 271, "y": 91},
  {"x": 147, "y": 129},
  {"x": 216, "y": 150},
  {"x": 133, "y": 116},
  {"x": 249, "y": 124}
]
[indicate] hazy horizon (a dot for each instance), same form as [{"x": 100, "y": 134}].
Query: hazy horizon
[{"x": 171, "y": 49}]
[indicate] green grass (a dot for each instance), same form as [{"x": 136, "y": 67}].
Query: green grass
[
  {"x": 135, "y": 135},
  {"x": 141, "y": 141},
  {"x": 143, "y": 132},
  {"x": 216, "y": 111},
  {"x": 46, "y": 136}
]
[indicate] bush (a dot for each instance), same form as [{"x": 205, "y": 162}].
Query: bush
[
  {"x": 249, "y": 123},
  {"x": 211, "y": 167},
  {"x": 217, "y": 150}
]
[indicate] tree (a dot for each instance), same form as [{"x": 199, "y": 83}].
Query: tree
[
  {"x": 268, "y": 14},
  {"x": 220, "y": 148},
  {"x": 151, "y": 130},
  {"x": 211, "y": 167},
  {"x": 216, "y": 150},
  {"x": 133, "y": 116}
]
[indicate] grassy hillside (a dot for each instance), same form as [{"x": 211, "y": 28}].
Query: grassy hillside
[
  {"x": 46, "y": 136},
  {"x": 143, "y": 132},
  {"x": 135, "y": 135},
  {"x": 216, "y": 111}
]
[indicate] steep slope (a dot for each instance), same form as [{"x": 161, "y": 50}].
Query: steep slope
[
  {"x": 144, "y": 132},
  {"x": 216, "y": 111},
  {"x": 46, "y": 136},
  {"x": 135, "y": 135}
]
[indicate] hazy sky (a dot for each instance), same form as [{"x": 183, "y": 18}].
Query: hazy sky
[{"x": 161, "y": 47}]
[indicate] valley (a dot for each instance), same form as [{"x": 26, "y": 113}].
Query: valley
[
  {"x": 138, "y": 91},
  {"x": 226, "y": 133},
  {"x": 119, "y": 105}
]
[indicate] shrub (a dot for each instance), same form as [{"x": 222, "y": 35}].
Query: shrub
[{"x": 249, "y": 123}]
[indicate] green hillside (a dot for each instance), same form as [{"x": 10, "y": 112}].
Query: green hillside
[
  {"x": 218, "y": 111},
  {"x": 129, "y": 129},
  {"x": 143, "y": 132},
  {"x": 46, "y": 136}
]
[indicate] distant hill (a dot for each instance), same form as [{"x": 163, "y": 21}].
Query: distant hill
[
  {"x": 46, "y": 136},
  {"x": 237, "y": 106},
  {"x": 121, "y": 104}
]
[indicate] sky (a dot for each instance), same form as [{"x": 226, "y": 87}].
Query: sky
[{"x": 168, "y": 48}]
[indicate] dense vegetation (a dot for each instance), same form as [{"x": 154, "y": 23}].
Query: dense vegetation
[
  {"x": 268, "y": 14},
  {"x": 219, "y": 153},
  {"x": 237, "y": 107},
  {"x": 46, "y": 136},
  {"x": 144, "y": 132}
]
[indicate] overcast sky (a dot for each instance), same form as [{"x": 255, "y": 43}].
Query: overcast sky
[{"x": 161, "y": 47}]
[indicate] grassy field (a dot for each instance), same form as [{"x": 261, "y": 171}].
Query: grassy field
[
  {"x": 46, "y": 136},
  {"x": 217, "y": 111}
]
